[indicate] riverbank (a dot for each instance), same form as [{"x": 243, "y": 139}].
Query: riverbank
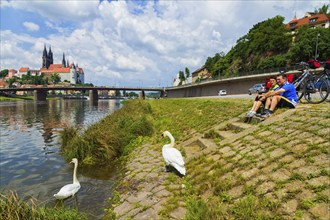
[
  {"x": 274, "y": 169},
  {"x": 13, "y": 208},
  {"x": 3, "y": 98}
]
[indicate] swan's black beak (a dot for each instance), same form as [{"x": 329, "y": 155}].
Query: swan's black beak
[{"x": 162, "y": 135}]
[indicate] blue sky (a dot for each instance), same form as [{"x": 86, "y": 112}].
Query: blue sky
[{"x": 131, "y": 43}]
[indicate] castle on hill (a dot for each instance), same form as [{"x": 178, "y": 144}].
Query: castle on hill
[{"x": 68, "y": 72}]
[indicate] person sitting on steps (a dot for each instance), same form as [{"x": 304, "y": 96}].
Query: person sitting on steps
[
  {"x": 284, "y": 97},
  {"x": 261, "y": 99}
]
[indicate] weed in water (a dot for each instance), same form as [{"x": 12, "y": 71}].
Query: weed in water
[{"x": 12, "y": 208}]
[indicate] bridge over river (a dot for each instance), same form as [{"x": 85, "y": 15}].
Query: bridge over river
[
  {"x": 40, "y": 93},
  {"x": 234, "y": 85}
]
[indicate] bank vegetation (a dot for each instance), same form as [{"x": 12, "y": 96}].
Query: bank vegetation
[{"x": 144, "y": 121}]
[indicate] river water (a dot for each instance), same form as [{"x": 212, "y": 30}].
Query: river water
[{"x": 30, "y": 160}]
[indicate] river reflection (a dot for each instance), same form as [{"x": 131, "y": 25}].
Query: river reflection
[{"x": 30, "y": 163}]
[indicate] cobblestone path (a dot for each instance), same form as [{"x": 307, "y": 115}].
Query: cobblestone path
[{"x": 280, "y": 165}]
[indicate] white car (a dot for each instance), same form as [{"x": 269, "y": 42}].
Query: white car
[{"x": 222, "y": 92}]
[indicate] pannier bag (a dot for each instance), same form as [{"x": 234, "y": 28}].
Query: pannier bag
[{"x": 313, "y": 64}]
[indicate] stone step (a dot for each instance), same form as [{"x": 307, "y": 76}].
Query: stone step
[
  {"x": 225, "y": 134},
  {"x": 240, "y": 125},
  {"x": 253, "y": 120}
]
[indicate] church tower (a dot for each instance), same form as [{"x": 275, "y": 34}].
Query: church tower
[
  {"x": 47, "y": 58},
  {"x": 44, "y": 57},
  {"x": 63, "y": 61},
  {"x": 50, "y": 57}
]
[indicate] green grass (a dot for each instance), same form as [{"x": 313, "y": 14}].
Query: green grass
[
  {"x": 143, "y": 121},
  {"x": 13, "y": 208},
  {"x": 111, "y": 137},
  {"x": 3, "y": 98}
]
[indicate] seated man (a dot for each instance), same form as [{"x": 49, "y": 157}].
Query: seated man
[
  {"x": 285, "y": 96},
  {"x": 261, "y": 99}
]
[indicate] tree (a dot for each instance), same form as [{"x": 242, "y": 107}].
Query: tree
[
  {"x": 181, "y": 77},
  {"x": 10, "y": 81},
  {"x": 187, "y": 72},
  {"x": 132, "y": 94},
  {"x": 306, "y": 39},
  {"x": 3, "y": 73},
  {"x": 323, "y": 10},
  {"x": 117, "y": 93},
  {"x": 55, "y": 78}
]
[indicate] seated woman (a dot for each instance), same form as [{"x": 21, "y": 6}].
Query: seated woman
[{"x": 261, "y": 99}]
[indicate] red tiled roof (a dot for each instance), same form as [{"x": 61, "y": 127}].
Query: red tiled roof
[
  {"x": 23, "y": 69},
  {"x": 198, "y": 70},
  {"x": 320, "y": 18},
  {"x": 56, "y": 70},
  {"x": 54, "y": 66}
]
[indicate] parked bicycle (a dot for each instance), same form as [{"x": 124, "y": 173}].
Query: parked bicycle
[{"x": 315, "y": 89}]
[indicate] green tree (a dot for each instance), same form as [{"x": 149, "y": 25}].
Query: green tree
[
  {"x": 323, "y": 10},
  {"x": 181, "y": 77},
  {"x": 133, "y": 94},
  {"x": 187, "y": 72},
  {"x": 3, "y": 73},
  {"x": 265, "y": 39},
  {"x": 117, "y": 93},
  {"x": 55, "y": 78},
  {"x": 10, "y": 81},
  {"x": 306, "y": 39}
]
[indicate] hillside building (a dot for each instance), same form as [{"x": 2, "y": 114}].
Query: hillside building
[
  {"x": 311, "y": 19},
  {"x": 200, "y": 74}
]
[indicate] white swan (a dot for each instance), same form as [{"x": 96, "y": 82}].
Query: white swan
[
  {"x": 172, "y": 156},
  {"x": 70, "y": 189}
]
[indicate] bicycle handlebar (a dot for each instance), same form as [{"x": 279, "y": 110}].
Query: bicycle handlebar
[{"x": 302, "y": 63}]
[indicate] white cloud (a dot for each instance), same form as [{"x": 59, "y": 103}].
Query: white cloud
[
  {"x": 30, "y": 26},
  {"x": 57, "y": 10},
  {"x": 127, "y": 43}
]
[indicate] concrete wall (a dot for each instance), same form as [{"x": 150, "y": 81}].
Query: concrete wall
[{"x": 239, "y": 85}]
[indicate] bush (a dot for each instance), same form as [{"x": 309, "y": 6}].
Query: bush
[{"x": 106, "y": 140}]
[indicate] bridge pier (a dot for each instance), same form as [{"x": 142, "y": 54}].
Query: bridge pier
[
  {"x": 93, "y": 95},
  {"x": 39, "y": 95},
  {"x": 142, "y": 95},
  {"x": 162, "y": 94}
]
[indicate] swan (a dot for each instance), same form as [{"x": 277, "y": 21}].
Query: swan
[
  {"x": 70, "y": 189},
  {"x": 172, "y": 156}
]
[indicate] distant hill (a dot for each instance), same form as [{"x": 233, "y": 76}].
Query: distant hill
[{"x": 269, "y": 44}]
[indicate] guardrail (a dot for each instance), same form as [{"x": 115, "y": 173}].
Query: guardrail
[{"x": 241, "y": 74}]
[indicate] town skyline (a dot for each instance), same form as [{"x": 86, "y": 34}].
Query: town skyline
[{"x": 144, "y": 43}]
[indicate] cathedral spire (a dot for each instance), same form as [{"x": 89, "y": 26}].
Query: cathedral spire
[
  {"x": 44, "y": 54},
  {"x": 63, "y": 61},
  {"x": 44, "y": 57}
]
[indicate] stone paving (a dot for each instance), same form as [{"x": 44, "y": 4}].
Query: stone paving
[{"x": 283, "y": 161}]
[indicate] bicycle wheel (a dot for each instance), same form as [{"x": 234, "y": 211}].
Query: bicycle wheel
[
  {"x": 316, "y": 90},
  {"x": 300, "y": 91}
]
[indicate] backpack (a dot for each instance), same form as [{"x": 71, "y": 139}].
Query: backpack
[{"x": 313, "y": 64}]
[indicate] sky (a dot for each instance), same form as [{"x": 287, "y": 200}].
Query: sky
[{"x": 131, "y": 43}]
